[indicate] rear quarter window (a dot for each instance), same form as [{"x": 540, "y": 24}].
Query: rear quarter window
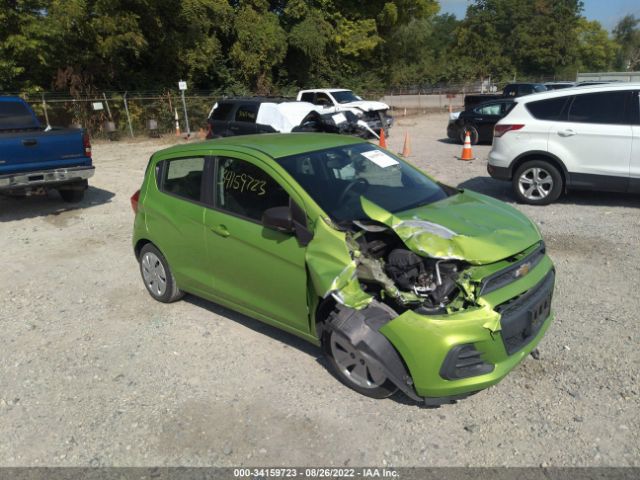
[
  {"x": 222, "y": 111},
  {"x": 15, "y": 115},
  {"x": 551, "y": 109}
]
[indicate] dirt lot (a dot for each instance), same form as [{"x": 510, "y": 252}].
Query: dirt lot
[{"x": 94, "y": 372}]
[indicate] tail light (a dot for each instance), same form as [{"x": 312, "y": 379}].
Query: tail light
[
  {"x": 209, "y": 130},
  {"x": 500, "y": 130},
  {"x": 135, "y": 199},
  {"x": 86, "y": 144}
]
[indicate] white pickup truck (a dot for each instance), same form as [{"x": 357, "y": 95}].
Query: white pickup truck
[{"x": 334, "y": 100}]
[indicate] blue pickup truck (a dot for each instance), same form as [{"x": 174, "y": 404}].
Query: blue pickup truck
[{"x": 34, "y": 159}]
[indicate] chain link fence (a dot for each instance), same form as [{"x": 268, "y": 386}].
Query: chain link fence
[{"x": 114, "y": 115}]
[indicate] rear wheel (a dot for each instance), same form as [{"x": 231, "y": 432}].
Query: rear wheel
[
  {"x": 157, "y": 275},
  {"x": 353, "y": 369},
  {"x": 537, "y": 182}
]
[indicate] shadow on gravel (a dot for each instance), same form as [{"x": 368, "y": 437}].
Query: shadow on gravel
[
  {"x": 502, "y": 191},
  {"x": 18, "y": 208},
  {"x": 258, "y": 326},
  {"x": 280, "y": 336}
]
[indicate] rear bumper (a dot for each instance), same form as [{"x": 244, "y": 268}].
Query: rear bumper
[
  {"x": 57, "y": 176},
  {"x": 499, "y": 173}
]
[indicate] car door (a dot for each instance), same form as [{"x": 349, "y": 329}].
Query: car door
[
  {"x": 595, "y": 140},
  {"x": 175, "y": 219},
  {"x": 485, "y": 118},
  {"x": 244, "y": 121},
  {"x": 634, "y": 167},
  {"x": 257, "y": 270}
]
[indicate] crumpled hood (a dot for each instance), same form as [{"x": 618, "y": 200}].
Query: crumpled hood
[
  {"x": 467, "y": 226},
  {"x": 367, "y": 105}
]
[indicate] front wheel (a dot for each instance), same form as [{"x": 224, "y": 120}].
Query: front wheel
[
  {"x": 353, "y": 369},
  {"x": 474, "y": 136},
  {"x": 157, "y": 275},
  {"x": 537, "y": 183}
]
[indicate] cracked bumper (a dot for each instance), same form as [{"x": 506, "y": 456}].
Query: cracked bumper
[{"x": 425, "y": 341}]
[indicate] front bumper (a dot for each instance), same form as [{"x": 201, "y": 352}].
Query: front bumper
[
  {"x": 41, "y": 178},
  {"x": 500, "y": 341}
]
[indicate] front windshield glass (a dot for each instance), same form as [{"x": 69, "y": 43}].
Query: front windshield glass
[
  {"x": 345, "y": 96},
  {"x": 336, "y": 178}
]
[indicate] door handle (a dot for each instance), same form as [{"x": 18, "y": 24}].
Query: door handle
[
  {"x": 220, "y": 230},
  {"x": 567, "y": 133},
  {"x": 29, "y": 142}
]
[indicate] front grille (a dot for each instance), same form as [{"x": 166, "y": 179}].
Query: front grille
[
  {"x": 512, "y": 272},
  {"x": 522, "y": 317}
]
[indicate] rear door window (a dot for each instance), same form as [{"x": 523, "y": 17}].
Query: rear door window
[
  {"x": 247, "y": 113},
  {"x": 307, "y": 97},
  {"x": 551, "y": 109},
  {"x": 493, "y": 109},
  {"x": 183, "y": 178},
  {"x": 245, "y": 190},
  {"x": 605, "y": 107},
  {"x": 323, "y": 99}
]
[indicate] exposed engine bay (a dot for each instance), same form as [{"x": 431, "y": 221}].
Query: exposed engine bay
[{"x": 387, "y": 269}]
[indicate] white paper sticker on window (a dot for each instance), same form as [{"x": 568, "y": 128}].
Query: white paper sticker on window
[
  {"x": 380, "y": 158},
  {"x": 339, "y": 118}
]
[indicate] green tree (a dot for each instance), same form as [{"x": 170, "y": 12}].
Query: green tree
[
  {"x": 596, "y": 51},
  {"x": 627, "y": 34}
]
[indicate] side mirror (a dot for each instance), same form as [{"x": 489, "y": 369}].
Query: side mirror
[{"x": 278, "y": 218}]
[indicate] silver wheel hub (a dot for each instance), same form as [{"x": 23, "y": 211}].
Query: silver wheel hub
[
  {"x": 153, "y": 273},
  {"x": 353, "y": 365},
  {"x": 535, "y": 183}
]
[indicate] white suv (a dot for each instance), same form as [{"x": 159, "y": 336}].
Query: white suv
[{"x": 575, "y": 138}]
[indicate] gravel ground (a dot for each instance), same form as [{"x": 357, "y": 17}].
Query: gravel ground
[{"x": 94, "y": 372}]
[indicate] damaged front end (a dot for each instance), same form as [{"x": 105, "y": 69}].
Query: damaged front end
[{"x": 459, "y": 306}]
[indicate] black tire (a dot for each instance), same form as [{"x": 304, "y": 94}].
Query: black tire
[
  {"x": 473, "y": 134},
  {"x": 537, "y": 182},
  {"x": 71, "y": 195},
  {"x": 379, "y": 389},
  {"x": 153, "y": 277}
]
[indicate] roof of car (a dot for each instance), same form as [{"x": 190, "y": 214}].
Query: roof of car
[
  {"x": 263, "y": 99},
  {"x": 330, "y": 90},
  {"x": 276, "y": 145},
  {"x": 578, "y": 90}
]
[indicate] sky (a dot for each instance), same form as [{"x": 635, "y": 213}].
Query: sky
[{"x": 606, "y": 12}]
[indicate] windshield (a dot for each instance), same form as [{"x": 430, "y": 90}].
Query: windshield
[
  {"x": 345, "y": 96},
  {"x": 336, "y": 178}
]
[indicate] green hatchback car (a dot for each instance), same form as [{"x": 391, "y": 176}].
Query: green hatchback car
[{"x": 404, "y": 282}]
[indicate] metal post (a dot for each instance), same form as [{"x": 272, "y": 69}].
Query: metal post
[
  {"x": 46, "y": 114},
  {"x": 104, "y": 95},
  {"x": 186, "y": 117},
  {"x": 126, "y": 109}
]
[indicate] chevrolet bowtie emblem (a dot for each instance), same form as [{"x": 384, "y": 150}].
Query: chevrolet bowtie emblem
[{"x": 522, "y": 270}]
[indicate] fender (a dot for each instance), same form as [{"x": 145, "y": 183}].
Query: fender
[
  {"x": 540, "y": 154},
  {"x": 361, "y": 328}
]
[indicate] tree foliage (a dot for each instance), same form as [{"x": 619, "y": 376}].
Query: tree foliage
[{"x": 266, "y": 46}]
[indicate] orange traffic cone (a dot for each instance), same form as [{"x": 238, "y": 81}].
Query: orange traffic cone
[
  {"x": 383, "y": 141},
  {"x": 406, "y": 148},
  {"x": 467, "y": 153}
]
